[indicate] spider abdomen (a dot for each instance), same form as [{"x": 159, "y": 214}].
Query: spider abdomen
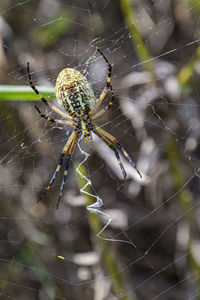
[{"x": 74, "y": 93}]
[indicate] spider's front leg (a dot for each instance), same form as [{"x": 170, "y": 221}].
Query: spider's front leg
[
  {"x": 113, "y": 148},
  {"x": 71, "y": 151},
  {"x": 65, "y": 149},
  {"x": 102, "y": 133},
  {"x": 127, "y": 156}
]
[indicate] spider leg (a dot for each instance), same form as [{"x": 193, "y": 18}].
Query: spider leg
[
  {"x": 112, "y": 147},
  {"x": 72, "y": 148},
  {"x": 105, "y": 90},
  {"x": 53, "y": 120},
  {"x": 51, "y": 105},
  {"x": 66, "y": 147},
  {"x": 121, "y": 147},
  {"x": 128, "y": 158},
  {"x": 106, "y": 108}
]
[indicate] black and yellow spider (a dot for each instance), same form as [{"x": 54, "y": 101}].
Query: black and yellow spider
[{"x": 76, "y": 97}]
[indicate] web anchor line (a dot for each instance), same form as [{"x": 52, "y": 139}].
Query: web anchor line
[{"x": 96, "y": 206}]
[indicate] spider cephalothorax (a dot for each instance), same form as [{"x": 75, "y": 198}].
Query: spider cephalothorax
[
  {"x": 83, "y": 126},
  {"x": 76, "y": 97}
]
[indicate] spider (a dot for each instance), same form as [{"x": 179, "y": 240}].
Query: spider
[{"x": 76, "y": 97}]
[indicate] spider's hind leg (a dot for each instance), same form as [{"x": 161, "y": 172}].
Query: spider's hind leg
[
  {"x": 43, "y": 99},
  {"x": 105, "y": 90},
  {"x": 43, "y": 115},
  {"x": 106, "y": 108},
  {"x": 63, "y": 122}
]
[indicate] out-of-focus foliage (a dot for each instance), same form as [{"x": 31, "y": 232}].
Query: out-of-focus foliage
[
  {"x": 55, "y": 29},
  {"x": 153, "y": 47}
]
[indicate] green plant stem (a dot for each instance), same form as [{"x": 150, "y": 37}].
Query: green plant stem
[
  {"x": 185, "y": 202},
  {"x": 24, "y": 93},
  {"x": 185, "y": 74},
  {"x": 140, "y": 48},
  {"x": 108, "y": 257},
  {"x": 178, "y": 178}
]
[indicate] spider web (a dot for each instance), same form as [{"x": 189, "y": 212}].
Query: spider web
[{"x": 63, "y": 254}]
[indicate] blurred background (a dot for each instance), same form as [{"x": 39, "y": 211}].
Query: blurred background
[{"x": 151, "y": 248}]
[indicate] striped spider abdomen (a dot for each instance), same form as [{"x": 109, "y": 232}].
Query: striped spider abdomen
[{"x": 74, "y": 93}]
